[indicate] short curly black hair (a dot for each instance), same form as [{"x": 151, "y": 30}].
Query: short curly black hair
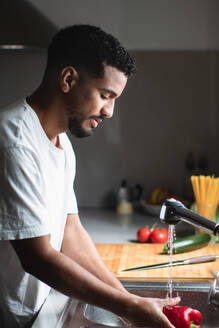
[{"x": 90, "y": 48}]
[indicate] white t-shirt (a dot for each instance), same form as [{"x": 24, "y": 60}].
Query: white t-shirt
[{"x": 36, "y": 194}]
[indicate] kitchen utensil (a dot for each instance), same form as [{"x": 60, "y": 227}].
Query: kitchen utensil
[{"x": 192, "y": 260}]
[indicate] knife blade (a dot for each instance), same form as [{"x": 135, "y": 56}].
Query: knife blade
[{"x": 192, "y": 260}]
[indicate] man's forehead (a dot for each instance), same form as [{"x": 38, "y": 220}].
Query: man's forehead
[
  {"x": 113, "y": 75},
  {"x": 108, "y": 69}
]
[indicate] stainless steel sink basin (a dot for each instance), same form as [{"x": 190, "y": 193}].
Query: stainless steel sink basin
[
  {"x": 100, "y": 316},
  {"x": 192, "y": 294}
]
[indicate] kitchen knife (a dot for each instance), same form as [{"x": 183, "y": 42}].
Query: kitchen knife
[{"x": 192, "y": 260}]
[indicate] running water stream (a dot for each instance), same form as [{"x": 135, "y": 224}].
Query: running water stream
[{"x": 171, "y": 238}]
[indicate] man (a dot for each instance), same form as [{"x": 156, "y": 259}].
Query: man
[{"x": 43, "y": 243}]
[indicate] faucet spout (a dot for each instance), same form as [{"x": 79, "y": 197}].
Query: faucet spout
[{"x": 173, "y": 212}]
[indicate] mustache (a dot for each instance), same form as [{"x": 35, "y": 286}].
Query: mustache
[{"x": 102, "y": 117}]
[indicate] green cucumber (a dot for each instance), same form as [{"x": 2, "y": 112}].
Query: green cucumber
[{"x": 189, "y": 243}]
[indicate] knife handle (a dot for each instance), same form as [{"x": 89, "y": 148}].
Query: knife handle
[{"x": 201, "y": 259}]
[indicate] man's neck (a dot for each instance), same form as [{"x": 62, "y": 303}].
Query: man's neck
[{"x": 49, "y": 113}]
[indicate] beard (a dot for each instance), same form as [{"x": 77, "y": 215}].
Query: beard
[
  {"x": 76, "y": 129},
  {"x": 75, "y": 126}
]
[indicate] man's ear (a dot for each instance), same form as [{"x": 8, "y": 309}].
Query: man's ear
[{"x": 68, "y": 78}]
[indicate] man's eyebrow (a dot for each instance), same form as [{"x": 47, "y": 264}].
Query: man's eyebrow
[{"x": 109, "y": 91}]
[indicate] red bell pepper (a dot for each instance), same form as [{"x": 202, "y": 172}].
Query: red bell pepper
[{"x": 183, "y": 316}]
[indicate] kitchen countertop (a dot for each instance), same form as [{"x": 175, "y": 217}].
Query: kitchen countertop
[
  {"x": 118, "y": 257},
  {"x": 115, "y": 237},
  {"x": 106, "y": 226}
]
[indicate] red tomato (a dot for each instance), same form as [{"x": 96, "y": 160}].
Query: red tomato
[
  {"x": 143, "y": 234},
  {"x": 159, "y": 235}
]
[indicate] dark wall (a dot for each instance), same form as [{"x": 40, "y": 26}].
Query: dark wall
[{"x": 169, "y": 108}]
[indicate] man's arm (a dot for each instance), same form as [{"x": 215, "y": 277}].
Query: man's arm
[
  {"x": 78, "y": 245},
  {"x": 54, "y": 268}
]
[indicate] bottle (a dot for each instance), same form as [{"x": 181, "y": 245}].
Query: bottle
[
  {"x": 124, "y": 206},
  {"x": 122, "y": 195}
]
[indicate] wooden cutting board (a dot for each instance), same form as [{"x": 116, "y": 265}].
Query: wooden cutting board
[{"x": 118, "y": 257}]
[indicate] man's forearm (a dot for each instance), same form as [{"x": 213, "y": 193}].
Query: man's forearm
[
  {"x": 78, "y": 245},
  {"x": 69, "y": 278},
  {"x": 65, "y": 275}
]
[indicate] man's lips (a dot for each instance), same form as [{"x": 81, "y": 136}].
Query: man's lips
[{"x": 95, "y": 121}]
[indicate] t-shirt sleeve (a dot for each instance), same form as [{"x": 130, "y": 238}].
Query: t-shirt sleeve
[
  {"x": 72, "y": 203},
  {"x": 23, "y": 211}
]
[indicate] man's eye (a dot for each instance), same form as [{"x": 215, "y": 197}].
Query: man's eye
[{"x": 103, "y": 96}]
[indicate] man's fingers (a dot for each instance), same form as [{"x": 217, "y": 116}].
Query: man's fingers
[
  {"x": 167, "y": 323},
  {"x": 171, "y": 301}
]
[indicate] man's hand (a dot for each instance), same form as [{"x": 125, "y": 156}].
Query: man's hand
[{"x": 147, "y": 312}]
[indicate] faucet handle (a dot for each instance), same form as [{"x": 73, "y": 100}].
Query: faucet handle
[
  {"x": 168, "y": 214},
  {"x": 213, "y": 295},
  {"x": 173, "y": 211}
]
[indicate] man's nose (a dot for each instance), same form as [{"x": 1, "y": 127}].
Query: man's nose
[{"x": 108, "y": 109}]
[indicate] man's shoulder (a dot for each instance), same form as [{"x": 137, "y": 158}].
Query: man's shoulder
[
  {"x": 8, "y": 111},
  {"x": 11, "y": 122},
  {"x": 11, "y": 116}
]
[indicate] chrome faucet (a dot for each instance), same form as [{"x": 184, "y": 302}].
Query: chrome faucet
[
  {"x": 173, "y": 212},
  {"x": 213, "y": 295}
]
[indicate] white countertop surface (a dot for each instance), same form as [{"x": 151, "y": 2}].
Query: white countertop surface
[{"x": 106, "y": 226}]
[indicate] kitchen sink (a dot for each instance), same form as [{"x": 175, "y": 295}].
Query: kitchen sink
[
  {"x": 101, "y": 316},
  {"x": 193, "y": 294}
]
